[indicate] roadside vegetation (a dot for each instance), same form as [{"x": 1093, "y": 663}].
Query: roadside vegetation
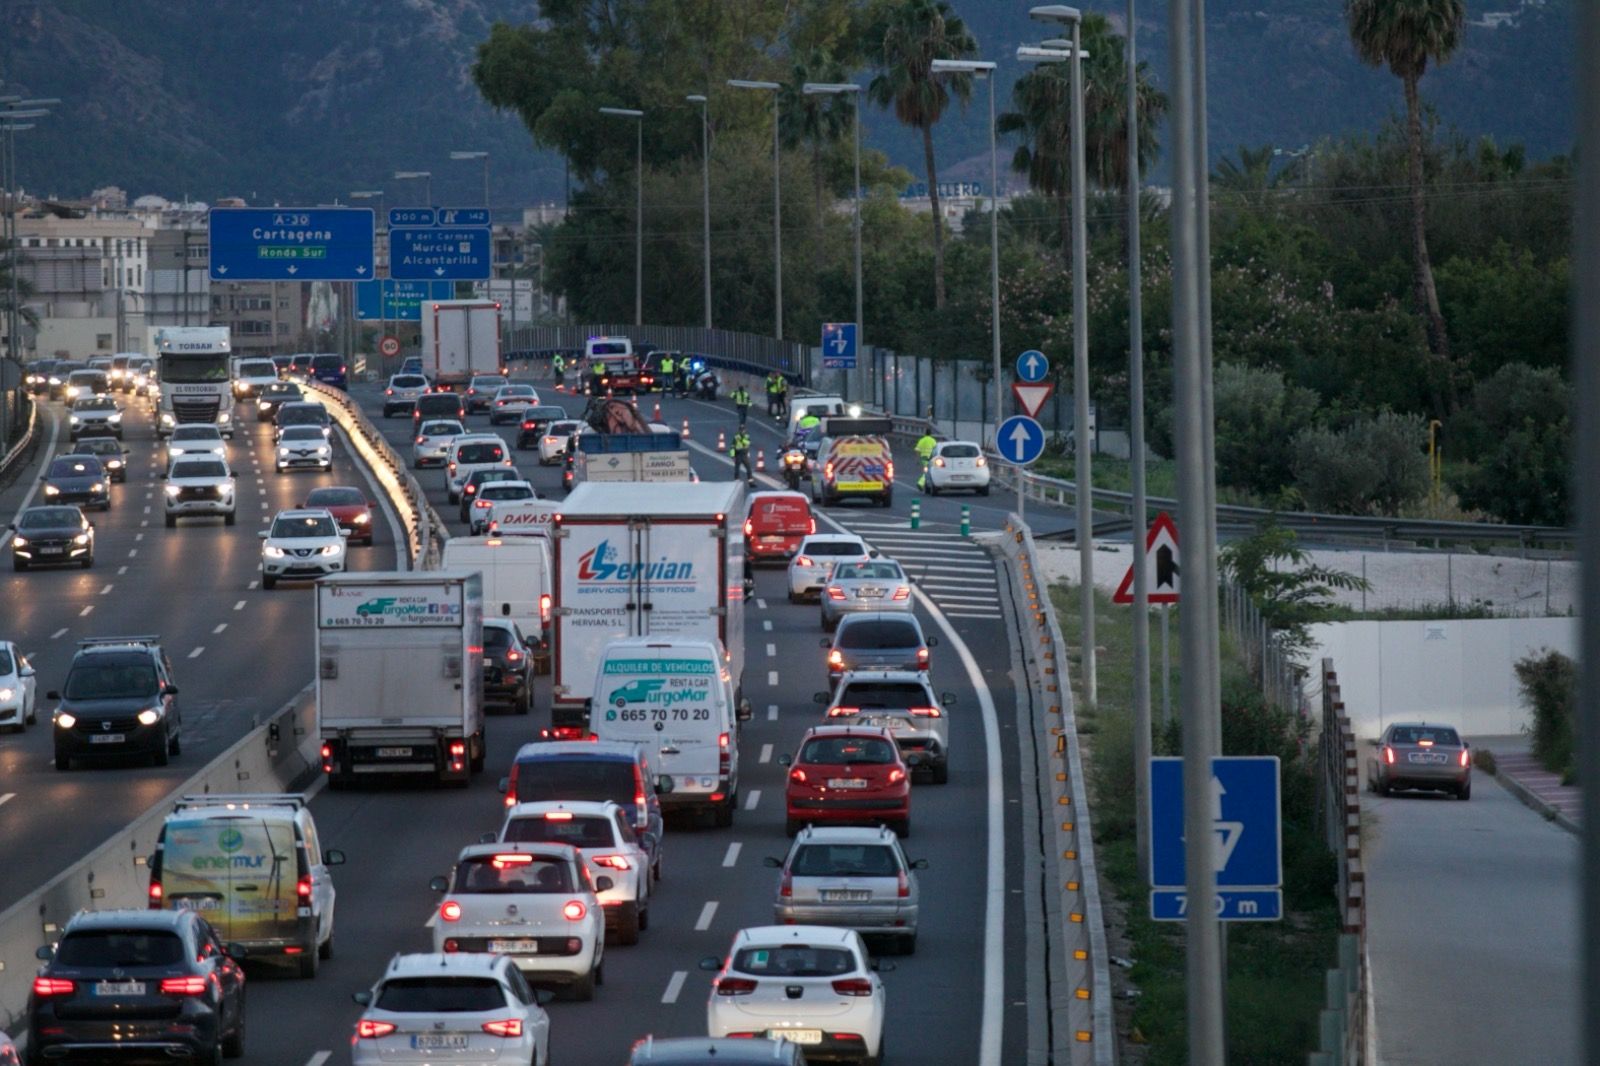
[{"x": 1549, "y": 684}]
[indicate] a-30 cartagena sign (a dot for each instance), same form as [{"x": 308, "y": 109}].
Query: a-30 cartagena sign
[{"x": 370, "y": 608}]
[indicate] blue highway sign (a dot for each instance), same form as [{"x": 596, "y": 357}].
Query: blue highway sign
[
  {"x": 401, "y": 301},
  {"x": 410, "y": 216},
  {"x": 839, "y": 345},
  {"x": 1020, "y": 440},
  {"x": 1246, "y": 821},
  {"x": 291, "y": 244},
  {"x": 463, "y": 216},
  {"x": 1032, "y": 366},
  {"x": 440, "y": 254}
]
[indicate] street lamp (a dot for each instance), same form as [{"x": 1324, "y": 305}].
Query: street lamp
[
  {"x": 825, "y": 88},
  {"x": 705, "y": 189},
  {"x": 638, "y": 212},
  {"x": 485, "y": 157},
  {"x": 777, "y": 200},
  {"x": 425, "y": 175}
]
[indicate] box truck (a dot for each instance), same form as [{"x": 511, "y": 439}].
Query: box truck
[
  {"x": 644, "y": 560},
  {"x": 516, "y": 573},
  {"x": 460, "y": 338},
  {"x": 399, "y": 673},
  {"x": 632, "y": 457}
]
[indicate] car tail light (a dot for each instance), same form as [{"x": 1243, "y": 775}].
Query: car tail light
[
  {"x": 1464, "y": 759},
  {"x": 922, "y": 658},
  {"x": 327, "y": 758},
  {"x": 452, "y": 945},
  {"x": 724, "y": 756},
  {"x": 889, "y": 470},
  {"x": 551, "y": 440},
  {"x": 836, "y": 658},
  {"x": 574, "y": 910},
  {"x": 835, "y": 592},
  {"x": 749, "y": 527},
  {"x": 388, "y": 392},
  {"x": 514, "y": 656},
  {"x": 302, "y": 887},
  {"x": 903, "y": 592},
  {"x": 853, "y": 986},
  {"x": 44, "y": 987},
  {"x": 371, "y": 1030},
  {"x": 422, "y": 440},
  {"x": 470, "y": 489},
  {"x": 786, "y": 886},
  {"x": 926, "y": 712},
  {"x": 544, "y": 608},
  {"x": 1388, "y": 754},
  {"x": 804, "y": 560},
  {"x": 155, "y": 894},
  {"x": 192, "y": 985},
  {"x": 511, "y": 786},
  {"x": 797, "y": 775},
  {"x": 1424, "y": 743},
  {"x": 903, "y": 885},
  {"x": 734, "y": 986},
  {"x": 508, "y": 1027},
  {"x": 343, "y": 370},
  {"x": 613, "y": 862},
  {"x": 500, "y": 862},
  {"x": 938, "y": 462},
  {"x": 450, "y": 911},
  {"x": 896, "y": 775},
  {"x": 827, "y": 470},
  {"x": 485, "y": 504},
  {"x": 843, "y": 712}
]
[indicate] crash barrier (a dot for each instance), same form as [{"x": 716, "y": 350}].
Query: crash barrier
[
  {"x": 19, "y": 449},
  {"x": 281, "y": 754},
  {"x": 1082, "y": 1027},
  {"x": 750, "y": 349},
  {"x": 1342, "y": 1035}
]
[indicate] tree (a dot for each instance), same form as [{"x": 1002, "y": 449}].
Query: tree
[
  {"x": 1291, "y": 592},
  {"x": 1375, "y": 465},
  {"x": 1249, "y": 178},
  {"x": 1405, "y": 35},
  {"x": 910, "y": 36},
  {"x": 1519, "y": 429}
]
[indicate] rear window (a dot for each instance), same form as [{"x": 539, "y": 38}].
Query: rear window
[
  {"x": 507, "y": 492},
  {"x": 496, "y": 638},
  {"x": 608, "y": 348},
  {"x": 844, "y": 860},
  {"x": 835, "y": 751},
  {"x": 445, "y": 995},
  {"x": 514, "y": 872},
  {"x": 879, "y": 634},
  {"x": 440, "y": 428},
  {"x": 794, "y": 960},
  {"x": 326, "y": 362},
  {"x": 835, "y": 547},
  {"x": 480, "y": 453},
  {"x": 438, "y": 401},
  {"x": 959, "y": 451},
  {"x": 883, "y": 694},
  {"x": 310, "y": 413},
  {"x": 581, "y": 831},
  {"x": 874, "y": 571},
  {"x": 540, "y": 780},
  {"x": 121, "y": 948},
  {"x": 257, "y": 368},
  {"x": 410, "y": 381},
  {"x": 1430, "y": 734}
]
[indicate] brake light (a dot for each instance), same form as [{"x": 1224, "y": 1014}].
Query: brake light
[
  {"x": 183, "y": 986},
  {"x": 44, "y": 987},
  {"x": 485, "y": 504},
  {"x": 1388, "y": 754},
  {"x": 827, "y": 470},
  {"x": 500, "y": 862},
  {"x": 558, "y": 816},
  {"x": 551, "y": 440},
  {"x": 811, "y": 526},
  {"x": 1424, "y": 743},
  {"x": 155, "y": 895},
  {"x": 370, "y": 1030},
  {"x": 835, "y": 592},
  {"x": 514, "y": 655},
  {"x": 509, "y": 1027},
  {"x": 843, "y": 712},
  {"x": 805, "y": 560},
  {"x": 511, "y": 787},
  {"x": 896, "y": 775},
  {"x": 724, "y": 757},
  {"x": 889, "y": 470},
  {"x": 922, "y": 658},
  {"x": 1464, "y": 756},
  {"x": 422, "y": 440},
  {"x": 574, "y": 910},
  {"x": 613, "y": 862},
  {"x": 786, "y": 886},
  {"x": 836, "y": 658},
  {"x": 749, "y": 528},
  {"x": 853, "y": 986},
  {"x": 903, "y": 592},
  {"x": 327, "y": 758},
  {"x": 797, "y": 775},
  {"x": 388, "y": 392},
  {"x": 302, "y": 887},
  {"x": 470, "y": 489},
  {"x": 734, "y": 986},
  {"x": 926, "y": 712},
  {"x": 903, "y": 886},
  {"x": 450, "y": 911},
  {"x": 544, "y": 608},
  {"x": 938, "y": 462}
]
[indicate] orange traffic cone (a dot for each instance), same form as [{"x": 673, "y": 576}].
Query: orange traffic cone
[
  {"x": 657, "y": 416},
  {"x": 685, "y": 429},
  {"x": 722, "y": 441},
  {"x": 608, "y": 392},
  {"x": 761, "y": 461}
]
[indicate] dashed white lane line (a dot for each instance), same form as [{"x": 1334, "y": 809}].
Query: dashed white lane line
[
  {"x": 766, "y": 753},
  {"x": 121, "y": 570},
  {"x": 772, "y": 712},
  {"x": 220, "y": 627},
  {"x": 86, "y": 611},
  {"x": 732, "y": 855},
  {"x": 772, "y": 651},
  {"x": 707, "y": 912},
  {"x": 766, "y": 624},
  {"x": 319, "y": 1058},
  {"x": 12, "y": 795},
  {"x": 147, "y": 508},
  {"x": 138, "y": 537},
  {"x": 105, "y": 590},
  {"x": 197, "y": 652},
  {"x": 263, "y": 505},
  {"x": 752, "y": 798},
  {"x": 252, "y": 585},
  {"x": 772, "y": 678},
  {"x": 674, "y": 986},
  {"x": 58, "y": 634},
  {"x": 143, "y": 523},
  {"x": 132, "y": 552},
  {"x": 761, "y": 603},
  {"x": 240, "y": 605}
]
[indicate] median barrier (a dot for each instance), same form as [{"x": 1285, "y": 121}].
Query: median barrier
[{"x": 19, "y": 449}]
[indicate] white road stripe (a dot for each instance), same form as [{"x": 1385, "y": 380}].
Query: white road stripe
[
  {"x": 766, "y": 753},
  {"x": 142, "y": 524},
  {"x": 752, "y": 798},
  {"x": 220, "y": 627},
  {"x": 319, "y": 1058},
  {"x": 147, "y": 508},
  {"x": 240, "y": 605},
  {"x": 943, "y": 596},
  {"x": 13, "y": 795},
  {"x": 942, "y": 568},
  {"x": 706, "y": 913},
  {"x": 58, "y": 634},
  {"x": 197, "y": 652},
  {"x": 105, "y": 590},
  {"x": 772, "y": 678},
  {"x": 675, "y": 986},
  {"x": 733, "y": 854},
  {"x": 121, "y": 570},
  {"x": 772, "y": 712},
  {"x": 86, "y": 611},
  {"x": 132, "y": 552},
  {"x": 772, "y": 651},
  {"x": 138, "y": 537},
  {"x": 766, "y": 624},
  {"x": 972, "y": 614},
  {"x": 252, "y": 585},
  {"x": 761, "y": 603}
]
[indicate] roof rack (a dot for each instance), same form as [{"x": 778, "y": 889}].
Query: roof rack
[
  {"x": 147, "y": 640},
  {"x": 230, "y": 799}
]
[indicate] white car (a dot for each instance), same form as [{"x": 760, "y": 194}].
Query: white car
[
  {"x": 196, "y": 440},
  {"x": 553, "y": 444},
  {"x": 432, "y": 443},
  {"x": 303, "y": 446},
  {"x": 814, "y": 559},
  {"x": 482, "y": 511},
  {"x": 252, "y": 376},
  {"x": 509, "y": 401},
  {"x": 534, "y": 903},
  {"x": 459, "y": 1008},
  {"x": 199, "y": 485},
  {"x": 957, "y": 465},
  {"x": 301, "y": 544},
  {"x": 94, "y": 416},
  {"x": 811, "y": 985},
  {"x": 19, "y": 696},
  {"x": 402, "y": 392},
  {"x": 604, "y": 838},
  {"x": 474, "y": 451},
  {"x": 9, "y": 1055}
]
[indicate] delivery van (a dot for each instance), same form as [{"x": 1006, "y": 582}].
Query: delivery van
[
  {"x": 253, "y": 866},
  {"x": 854, "y": 459},
  {"x": 516, "y": 583},
  {"x": 675, "y": 698},
  {"x": 775, "y": 525}
]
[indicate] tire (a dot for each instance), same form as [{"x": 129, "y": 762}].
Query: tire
[
  {"x": 233, "y": 1043},
  {"x": 33, "y": 715},
  {"x": 941, "y": 773},
  {"x": 268, "y": 581},
  {"x": 308, "y": 964},
  {"x": 230, "y": 518},
  {"x": 325, "y": 949},
  {"x": 475, "y": 762},
  {"x": 172, "y": 521},
  {"x": 628, "y": 924},
  {"x": 18, "y": 565},
  {"x": 162, "y": 755},
  {"x": 722, "y": 817},
  {"x": 984, "y": 491},
  {"x": 792, "y": 597},
  {"x": 175, "y": 744},
  {"x": 63, "y": 761},
  {"x": 525, "y": 704},
  {"x": 644, "y": 919},
  {"x": 583, "y": 989},
  {"x": 87, "y": 562},
  {"x": 908, "y": 944},
  {"x": 1464, "y": 792},
  {"x": 902, "y": 828}
]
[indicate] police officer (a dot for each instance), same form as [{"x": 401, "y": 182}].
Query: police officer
[
  {"x": 741, "y": 401},
  {"x": 740, "y": 450},
  {"x": 558, "y": 366},
  {"x": 773, "y": 380},
  {"x": 809, "y": 420},
  {"x": 925, "y": 446},
  {"x": 783, "y": 398},
  {"x": 685, "y": 375},
  {"x": 668, "y": 375}
]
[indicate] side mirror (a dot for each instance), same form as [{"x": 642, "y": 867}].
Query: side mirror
[
  {"x": 744, "y": 712},
  {"x": 333, "y": 857},
  {"x": 604, "y": 884},
  {"x": 44, "y": 952},
  {"x": 919, "y": 864},
  {"x": 931, "y": 641},
  {"x": 363, "y": 998},
  {"x": 439, "y": 884},
  {"x": 262, "y": 534},
  {"x": 26, "y": 671},
  {"x": 505, "y": 785},
  {"x": 786, "y": 760},
  {"x": 542, "y": 996},
  {"x": 821, "y": 697},
  {"x": 486, "y": 838},
  {"x": 873, "y": 554},
  {"x": 772, "y": 862},
  {"x": 235, "y": 951},
  {"x": 711, "y": 963},
  {"x": 170, "y": 690},
  {"x": 665, "y": 784},
  {"x": 344, "y": 533},
  {"x": 948, "y": 699}
]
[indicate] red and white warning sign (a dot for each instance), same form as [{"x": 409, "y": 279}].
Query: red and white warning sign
[
  {"x": 389, "y": 346},
  {"x": 1031, "y": 397},
  {"x": 1160, "y": 564}
]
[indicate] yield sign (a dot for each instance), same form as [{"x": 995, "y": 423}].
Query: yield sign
[
  {"x": 1160, "y": 564},
  {"x": 1031, "y": 397}
]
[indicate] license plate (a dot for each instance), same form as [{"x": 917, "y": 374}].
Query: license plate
[
  {"x": 890, "y": 724},
  {"x": 437, "y": 1041},
  {"x": 797, "y": 1036},
  {"x": 870, "y": 594},
  {"x": 960, "y": 477},
  {"x": 844, "y": 895},
  {"x": 119, "y": 988},
  {"x": 51, "y": 551},
  {"x": 846, "y": 782},
  {"x": 772, "y": 540},
  {"x": 514, "y": 947},
  {"x": 394, "y": 753},
  {"x": 108, "y": 738},
  {"x": 1427, "y": 757}
]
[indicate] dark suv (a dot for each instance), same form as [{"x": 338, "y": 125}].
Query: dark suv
[
  {"x": 157, "y": 983},
  {"x": 330, "y": 370},
  {"x": 118, "y": 699},
  {"x": 591, "y": 771}
]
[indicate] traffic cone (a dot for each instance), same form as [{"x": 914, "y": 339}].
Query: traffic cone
[
  {"x": 657, "y": 416},
  {"x": 722, "y": 441},
  {"x": 608, "y": 392},
  {"x": 761, "y": 461},
  {"x": 685, "y": 429}
]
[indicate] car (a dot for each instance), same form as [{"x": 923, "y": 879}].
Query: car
[
  {"x": 109, "y": 450},
  {"x": 281, "y": 363},
  {"x": 302, "y": 445},
  {"x": 9, "y": 1055},
  {"x": 412, "y": 364},
  {"x": 37, "y": 375},
  {"x": 19, "y": 702},
  {"x": 349, "y": 506},
  {"x": 556, "y": 442},
  {"x": 303, "y": 543},
  {"x": 401, "y": 393},
  {"x": 853, "y": 878},
  {"x": 251, "y": 376},
  {"x": 199, "y": 485},
  {"x": 877, "y": 585},
  {"x": 462, "y": 1007},
  {"x": 143, "y": 372},
  {"x": 602, "y": 834},
  {"x": 592, "y": 770},
  {"x": 480, "y": 390},
  {"x": 847, "y": 775},
  {"x": 432, "y": 443},
  {"x": 119, "y": 699},
  {"x": 195, "y": 439},
  {"x": 510, "y": 401},
  {"x": 160, "y": 984},
  {"x": 274, "y": 396},
  {"x": 957, "y": 465},
  {"x": 533, "y": 423},
  {"x": 330, "y": 370},
  {"x": 711, "y": 1051},
  {"x": 77, "y": 479},
  {"x": 615, "y": 373},
  {"x": 471, "y": 452},
  {"x": 300, "y": 365},
  {"x": 86, "y": 382},
  {"x": 53, "y": 533},
  {"x": 1420, "y": 755},
  {"x": 302, "y": 413},
  {"x": 877, "y": 640},
  {"x": 807, "y": 984},
  {"x": 901, "y": 702},
  {"x": 535, "y": 904},
  {"x": 448, "y": 405},
  {"x": 507, "y": 665},
  {"x": 118, "y": 372},
  {"x": 94, "y": 416},
  {"x": 59, "y": 376},
  {"x": 477, "y": 507},
  {"x": 815, "y": 558},
  {"x": 774, "y": 525}
]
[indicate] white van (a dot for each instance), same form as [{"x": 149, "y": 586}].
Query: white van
[
  {"x": 822, "y": 406},
  {"x": 516, "y": 583},
  {"x": 676, "y": 698}
]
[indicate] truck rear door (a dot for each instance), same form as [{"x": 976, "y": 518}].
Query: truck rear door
[{"x": 680, "y": 574}]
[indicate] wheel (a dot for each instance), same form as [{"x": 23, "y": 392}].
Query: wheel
[
  {"x": 175, "y": 745},
  {"x": 228, "y": 519},
  {"x": 268, "y": 581},
  {"x": 930, "y": 488},
  {"x": 87, "y": 561},
  {"x": 908, "y": 944},
  {"x": 644, "y": 919},
  {"x": 887, "y": 500},
  {"x": 63, "y": 761},
  {"x": 723, "y": 815},
  {"x": 792, "y": 597},
  {"x": 1465, "y": 791},
  {"x": 308, "y": 963},
  {"x": 941, "y": 773},
  {"x": 476, "y": 763},
  {"x": 18, "y": 564},
  {"x": 902, "y": 828},
  {"x": 279, "y": 467},
  {"x": 163, "y": 754},
  {"x": 525, "y": 703},
  {"x": 172, "y": 521},
  {"x": 984, "y": 491},
  {"x": 233, "y": 1043},
  {"x": 628, "y": 925},
  {"x": 791, "y": 827},
  {"x": 33, "y": 715},
  {"x": 325, "y": 949},
  {"x": 583, "y": 989}
]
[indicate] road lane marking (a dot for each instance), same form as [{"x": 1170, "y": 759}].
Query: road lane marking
[
  {"x": 732, "y": 855},
  {"x": 132, "y": 552},
  {"x": 143, "y": 524},
  {"x": 58, "y": 634},
  {"x": 197, "y": 652},
  {"x": 752, "y": 798},
  {"x": 12, "y": 795},
  {"x": 105, "y": 590},
  {"x": 220, "y": 627},
  {"x": 44, "y": 464},
  {"x": 240, "y": 605},
  {"x": 675, "y": 986},
  {"x": 138, "y": 537},
  {"x": 766, "y": 624},
  {"x": 772, "y": 712},
  {"x": 147, "y": 508},
  {"x": 772, "y": 651},
  {"x": 319, "y": 1058},
  {"x": 701, "y": 924},
  {"x": 772, "y": 678},
  {"x": 250, "y": 586},
  {"x": 86, "y": 611},
  {"x": 766, "y": 753},
  {"x": 121, "y": 570}
]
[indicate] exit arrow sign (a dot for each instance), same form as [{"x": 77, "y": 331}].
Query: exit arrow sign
[{"x": 1031, "y": 397}]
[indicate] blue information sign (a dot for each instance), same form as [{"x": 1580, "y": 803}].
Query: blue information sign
[
  {"x": 410, "y": 216},
  {"x": 400, "y": 300},
  {"x": 838, "y": 345},
  {"x": 291, "y": 244},
  {"x": 439, "y": 254},
  {"x": 1032, "y": 366},
  {"x": 463, "y": 216},
  {"x": 1020, "y": 440},
  {"x": 1247, "y": 826}
]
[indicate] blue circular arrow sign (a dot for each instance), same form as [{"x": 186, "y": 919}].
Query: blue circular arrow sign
[
  {"x": 1032, "y": 366},
  {"x": 1020, "y": 440}
]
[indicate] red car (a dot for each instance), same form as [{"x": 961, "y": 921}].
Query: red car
[
  {"x": 775, "y": 525},
  {"x": 847, "y": 775},
  {"x": 349, "y": 507}
]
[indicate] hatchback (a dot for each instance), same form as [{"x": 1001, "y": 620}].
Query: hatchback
[
  {"x": 853, "y": 878},
  {"x": 901, "y": 702},
  {"x": 879, "y": 585},
  {"x": 19, "y": 704},
  {"x": 77, "y": 479},
  {"x": 878, "y": 640},
  {"x": 847, "y": 775},
  {"x": 94, "y": 416},
  {"x": 477, "y": 509},
  {"x": 109, "y": 450},
  {"x": 432, "y": 443},
  {"x": 349, "y": 506},
  {"x": 957, "y": 465},
  {"x": 471, "y": 453},
  {"x": 196, "y": 440},
  {"x": 52, "y": 534},
  {"x": 402, "y": 393},
  {"x": 467, "y": 1008},
  {"x": 1421, "y": 756},
  {"x": 438, "y": 405},
  {"x": 556, "y": 443},
  {"x": 274, "y": 396},
  {"x": 480, "y": 391},
  {"x": 507, "y": 665},
  {"x": 302, "y": 445},
  {"x": 303, "y": 413}
]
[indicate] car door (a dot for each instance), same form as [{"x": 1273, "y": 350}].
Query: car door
[
  {"x": 27, "y": 682},
  {"x": 629, "y": 844},
  {"x": 230, "y": 975}
]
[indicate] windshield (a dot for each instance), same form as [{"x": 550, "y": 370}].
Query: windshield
[
  {"x": 121, "y": 678},
  {"x": 440, "y": 995},
  {"x": 870, "y": 634},
  {"x": 608, "y": 348},
  {"x": 99, "y": 446},
  {"x": 875, "y": 571},
  {"x": 289, "y": 414},
  {"x": 844, "y": 860},
  {"x": 516, "y": 390},
  {"x": 335, "y": 497},
  {"x": 884, "y": 694},
  {"x": 437, "y": 401},
  {"x": 565, "y": 429},
  {"x": 479, "y": 453},
  {"x": 283, "y": 390},
  {"x": 487, "y": 381},
  {"x": 544, "y": 413},
  {"x": 194, "y": 369},
  {"x": 75, "y": 466},
  {"x": 194, "y": 433},
  {"x": 305, "y": 526},
  {"x": 578, "y": 830},
  {"x": 794, "y": 960},
  {"x": 87, "y": 377},
  {"x": 782, "y": 513},
  {"x": 507, "y": 492},
  {"x": 540, "y": 780},
  {"x": 304, "y": 432},
  {"x": 50, "y": 518},
  {"x": 835, "y": 751},
  {"x": 326, "y": 362},
  {"x": 496, "y": 638},
  {"x": 103, "y": 948},
  {"x": 210, "y": 468},
  {"x": 517, "y": 872},
  {"x": 94, "y": 403}
]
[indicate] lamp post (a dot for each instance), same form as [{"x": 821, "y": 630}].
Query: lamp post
[
  {"x": 705, "y": 190},
  {"x": 484, "y": 156},
  {"x": 777, "y": 201},
  {"x": 985, "y": 69},
  {"x": 427, "y": 178},
  {"x": 383, "y": 306},
  {"x": 825, "y": 88},
  {"x": 638, "y": 211}
]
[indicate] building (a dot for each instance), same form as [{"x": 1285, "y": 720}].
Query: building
[
  {"x": 88, "y": 276},
  {"x": 178, "y": 292},
  {"x": 264, "y": 316}
]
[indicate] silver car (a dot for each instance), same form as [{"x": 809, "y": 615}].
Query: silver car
[
  {"x": 901, "y": 701},
  {"x": 431, "y": 445},
  {"x": 815, "y": 559},
  {"x": 1418, "y": 755},
  {"x": 878, "y": 640},
  {"x": 878, "y": 585},
  {"x": 401, "y": 393},
  {"x": 853, "y": 878}
]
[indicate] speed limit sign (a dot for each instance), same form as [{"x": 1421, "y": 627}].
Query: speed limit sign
[{"x": 389, "y": 346}]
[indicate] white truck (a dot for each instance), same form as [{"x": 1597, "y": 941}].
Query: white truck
[
  {"x": 644, "y": 560},
  {"x": 460, "y": 338},
  {"x": 522, "y": 518},
  {"x": 195, "y": 371},
  {"x": 631, "y": 457},
  {"x": 516, "y": 574},
  {"x": 399, "y": 675}
]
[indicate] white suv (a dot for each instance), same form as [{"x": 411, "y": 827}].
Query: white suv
[
  {"x": 302, "y": 544},
  {"x": 458, "y": 1008},
  {"x": 303, "y": 446},
  {"x": 604, "y": 838},
  {"x": 196, "y": 440},
  {"x": 901, "y": 701},
  {"x": 472, "y": 451},
  {"x": 199, "y": 485},
  {"x": 401, "y": 393}
]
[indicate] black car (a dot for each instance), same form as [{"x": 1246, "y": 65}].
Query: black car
[
  {"x": 129, "y": 982},
  {"x": 534, "y": 421},
  {"x": 57, "y": 381},
  {"x": 477, "y": 479},
  {"x": 507, "y": 666},
  {"x": 438, "y": 405},
  {"x": 38, "y": 375},
  {"x": 77, "y": 479},
  {"x": 275, "y": 396},
  {"x": 52, "y": 535},
  {"x": 118, "y": 700},
  {"x": 109, "y": 450}
]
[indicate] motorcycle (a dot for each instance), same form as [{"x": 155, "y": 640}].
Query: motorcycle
[
  {"x": 706, "y": 385},
  {"x": 794, "y": 463}
]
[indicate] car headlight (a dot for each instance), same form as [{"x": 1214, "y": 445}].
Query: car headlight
[
  {"x": 51, "y": 490},
  {"x": 74, "y": 419},
  {"x": 362, "y": 519},
  {"x": 223, "y": 417},
  {"x": 149, "y": 716},
  {"x": 272, "y": 551},
  {"x": 81, "y": 538},
  {"x": 114, "y": 464},
  {"x": 332, "y": 549},
  {"x": 19, "y": 541},
  {"x": 262, "y": 405},
  {"x": 283, "y": 451},
  {"x": 117, "y": 417},
  {"x": 55, "y": 381},
  {"x": 167, "y": 419},
  {"x": 7, "y": 693},
  {"x": 65, "y": 720},
  {"x": 323, "y": 449},
  {"x": 327, "y": 431},
  {"x": 98, "y": 486},
  {"x": 173, "y": 490},
  {"x": 72, "y": 390}
]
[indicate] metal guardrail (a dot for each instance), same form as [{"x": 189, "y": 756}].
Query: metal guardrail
[
  {"x": 18, "y": 449},
  {"x": 764, "y": 353},
  {"x": 1343, "y": 1026}
]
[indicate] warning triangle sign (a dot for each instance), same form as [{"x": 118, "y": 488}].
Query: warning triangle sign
[
  {"x": 1031, "y": 397},
  {"x": 1160, "y": 564}
]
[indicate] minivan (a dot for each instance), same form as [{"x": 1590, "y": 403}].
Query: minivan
[
  {"x": 676, "y": 698},
  {"x": 517, "y": 583},
  {"x": 775, "y": 524},
  {"x": 330, "y": 370},
  {"x": 583, "y": 771}
]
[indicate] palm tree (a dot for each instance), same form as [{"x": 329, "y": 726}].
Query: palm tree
[
  {"x": 1405, "y": 35},
  {"x": 817, "y": 120},
  {"x": 911, "y": 36},
  {"x": 1249, "y": 178}
]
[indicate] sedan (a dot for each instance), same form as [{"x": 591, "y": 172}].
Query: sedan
[
  {"x": 77, "y": 479},
  {"x": 1421, "y": 756},
  {"x": 878, "y": 640},
  {"x": 52, "y": 535},
  {"x": 480, "y": 391},
  {"x": 303, "y": 445},
  {"x": 301, "y": 544},
  {"x": 109, "y": 450},
  {"x": 19, "y": 696},
  {"x": 534, "y": 421},
  {"x": 349, "y": 506},
  {"x": 477, "y": 508},
  {"x": 851, "y": 878},
  {"x": 432, "y": 444},
  {"x": 464, "y": 1008},
  {"x": 402, "y": 392},
  {"x": 957, "y": 465},
  {"x": 814, "y": 560},
  {"x": 879, "y": 585},
  {"x": 196, "y": 440},
  {"x": 557, "y": 440},
  {"x": 810, "y": 985},
  {"x": 274, "y": 396},
  {"x": 847, "y": 775},
  {"x": 510, "y": 401}
]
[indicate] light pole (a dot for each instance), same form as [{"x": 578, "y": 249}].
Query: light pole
[
  {"x": 777, "y": 200},
  {"x": 985, "y": 69},
  {"x": 705, "y": 190},
  {"x": 427, "y": 178},
  {"x": 638, "y": 211},
  {"x": 382, "y": 216},
  {"x": 825, "y": 88},
  {"x": 484, "y": 156}
]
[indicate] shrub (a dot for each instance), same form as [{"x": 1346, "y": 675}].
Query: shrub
[
  {"x": 1549, "y": 684},
  {"x": 1372, "y": 466}
]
